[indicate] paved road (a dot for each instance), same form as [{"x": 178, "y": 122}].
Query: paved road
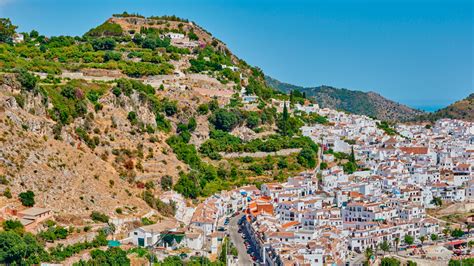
[{"x": 244, "y": 258}]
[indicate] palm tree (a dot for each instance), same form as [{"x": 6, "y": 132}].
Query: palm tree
[
  {"x": 447, "y": 231},
  {"x": 385, "y": 246},
  {"x": 368, "y": 254},
  {"x": 397, "y": 241}
]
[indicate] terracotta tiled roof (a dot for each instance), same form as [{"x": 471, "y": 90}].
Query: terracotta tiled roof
[{"x": 414, "y": 150}]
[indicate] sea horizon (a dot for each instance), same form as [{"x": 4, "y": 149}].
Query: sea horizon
[{"x": 429, "y": 108}]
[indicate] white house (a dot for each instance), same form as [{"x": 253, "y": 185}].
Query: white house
[
  {"x": 194, "y": 240},
  {"x": 146, "y": 236},
  {"x": 18, "y": 38},
  {"x": 174, "y": 35}
]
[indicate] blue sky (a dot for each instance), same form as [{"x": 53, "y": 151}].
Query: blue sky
[{"x": 418, "y": 52}]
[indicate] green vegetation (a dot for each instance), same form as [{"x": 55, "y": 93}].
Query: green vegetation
[
  {"x": 84, "y": 136},
  {"x": 408, "y": 239},
  {"x": 24, "y": 249},
  {"x": 13, "y": 225},
  {"x": 7, "y": 30},
  {"x": 352, "y": 101},
  {"x": 288, "y": 125},
  {"x": 385, "y": 246},
  {"x": 209, "y": 60},
  {"x": 146, "y": 221},
  {"x": 258, "y": 87},
  {"x": 28, "y": 81},
  {"x": 112, "y": 256},
  {"x": 457, "y": 233},
  {"x": 437, "y": 201},
  {"x": 106, "y": 29},
  {"x": 70, "y": 100},
  {"x": 387, "y": 128},
  {"x": 191, "y": 185},
  {"x": 54, "y": 54},
  {"x": 220, "y": 141},
  {"x": 166, "y": 182},
  {"x": 27, "y": 198},
  {"x": 53, "y": 232},
  {"x": 103, "y": 44},
  {"x": 389, "y": 262},
  {"x": 147, "y": 93},
  {"x": 99, "y": 217},
  {"x": 307, "y": 157},
  {"x": 313, "y": 118},
  {"x": 164, "y": 208},
  {"x": 465, "y": 262},
  {"x": 225, "y": 119}
]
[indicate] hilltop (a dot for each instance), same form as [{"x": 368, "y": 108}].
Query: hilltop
[
  {"x": 113, "y": 120},
  {"x": 364, "y": 103}
]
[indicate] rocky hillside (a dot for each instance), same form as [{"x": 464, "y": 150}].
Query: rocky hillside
[
  {"x": 84, "y": 122},
  {"x": 463, "y": 110},
  {"x": 96, "y": 162},
  {"x": 357, "y": 102},
  {"x": 107, "y": 121}
]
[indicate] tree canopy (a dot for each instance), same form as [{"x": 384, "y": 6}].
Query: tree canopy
[{"x": 7, "y": 30}]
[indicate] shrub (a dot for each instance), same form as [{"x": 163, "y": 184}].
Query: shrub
[
  {"x": 53, "y": 233},
  {"x": 203, "y": 109},
  {"x": 225, "y": 120},
  {"x": 99, "y": 217},
  {"x": 103, "y": 44},
  {"x": 170, "y": 108},
  {"x": 146, "y": 221},
  {"x": 7, "y": 193},
  {"x": 256, "y": 168},
  {"x": 307, "y": 158},
  {"x": 27, "y": 80},
  {"x": 166, "y": 182},
  {"x": 27, "y": 198},
  {"x": 253, "y": 120},
  {"x": 132, "y": 117},
  {"x": 13, "y": 225},
  {"x": 389, "y": 262}
]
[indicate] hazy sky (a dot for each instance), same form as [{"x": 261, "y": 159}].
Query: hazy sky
[{"x": 418, "y": 52}]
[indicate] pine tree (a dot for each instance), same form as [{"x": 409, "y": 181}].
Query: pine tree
[
  {"x": 352, "y": 159},
  {"x": 284, "y": 121}
]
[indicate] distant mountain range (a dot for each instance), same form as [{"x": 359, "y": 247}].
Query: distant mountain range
[
  {"x": 463, "y": 109},
  {"x": 365, "y": 103}
]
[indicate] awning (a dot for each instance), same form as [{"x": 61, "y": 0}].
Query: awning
[{"x": 456, "y": 242}]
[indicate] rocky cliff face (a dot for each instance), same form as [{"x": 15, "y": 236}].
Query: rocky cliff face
[{"x": 66, "y": 175}]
